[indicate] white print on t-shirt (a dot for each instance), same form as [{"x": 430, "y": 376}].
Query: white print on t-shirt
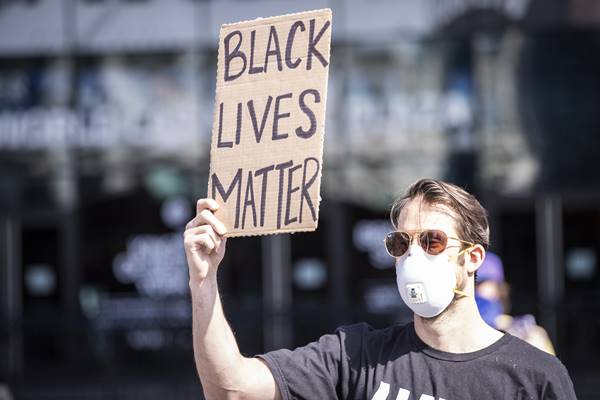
[{"x": 384, "y": 390}]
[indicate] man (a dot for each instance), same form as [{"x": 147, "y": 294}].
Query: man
[{"x": 449, "y": 352}]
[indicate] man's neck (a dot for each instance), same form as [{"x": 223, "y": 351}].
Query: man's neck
[{"x": 459, "y": 329}]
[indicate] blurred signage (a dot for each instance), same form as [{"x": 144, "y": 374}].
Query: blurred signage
[
  {"x": 157, "y": 313},
  {"x": 101, "y": 127},
  {"x": 445, "y": 11},
  {"x": 125, "y": 312},
  {"x": 267, "y": 141},
  {"x": 155, "y": 264},
  {"x": 145, "y": 102},
  {"x": 153, "y": 318}
]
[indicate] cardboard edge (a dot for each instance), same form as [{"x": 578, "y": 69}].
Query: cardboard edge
[
  {"x": 215, "y": 107},
  {"x": 273, "y": 18},
  {"x": 321, "y": 156},
  {"x": 268, "y": 233},
  {"x": 325, "y": 95}
]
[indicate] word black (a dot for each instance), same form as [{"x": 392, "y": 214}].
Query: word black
[{"x": 273, "y": 49}]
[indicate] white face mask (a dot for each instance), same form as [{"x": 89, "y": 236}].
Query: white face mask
[{"x": 426, "y": 283}]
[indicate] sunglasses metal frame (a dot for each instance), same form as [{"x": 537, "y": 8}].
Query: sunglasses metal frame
[{"x": 418, "y": 234}]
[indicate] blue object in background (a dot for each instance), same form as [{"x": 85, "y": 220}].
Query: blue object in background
[{"x": 489, "y": 309}]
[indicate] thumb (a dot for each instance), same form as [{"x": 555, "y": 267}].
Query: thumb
[{"x": 222, "y": 246}]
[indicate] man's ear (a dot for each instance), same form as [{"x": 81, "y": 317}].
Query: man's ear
[{"x": 475, "y": 256}]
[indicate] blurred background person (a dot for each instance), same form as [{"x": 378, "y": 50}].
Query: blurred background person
[{"x": 492, "y": 295}]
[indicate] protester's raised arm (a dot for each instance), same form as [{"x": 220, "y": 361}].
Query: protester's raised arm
[{"x": 224, "y": 372}]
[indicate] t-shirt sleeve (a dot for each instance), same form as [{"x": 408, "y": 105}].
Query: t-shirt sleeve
[
  {"x": 559, "y": 384},
  {"x": 309, "y": 372}
]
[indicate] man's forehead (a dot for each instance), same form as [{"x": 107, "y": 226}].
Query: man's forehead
[{"x": 419, "y": 215}]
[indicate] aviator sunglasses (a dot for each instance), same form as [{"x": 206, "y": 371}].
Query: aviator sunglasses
[{"x": 432, "y": 241}]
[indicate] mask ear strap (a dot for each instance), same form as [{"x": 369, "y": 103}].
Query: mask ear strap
[
  {"x": 455, "y": 290},
  {"x": 464, "y": 250}
]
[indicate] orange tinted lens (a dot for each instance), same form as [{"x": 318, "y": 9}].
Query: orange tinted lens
[
  {"x": 433, "y": 241},
  {"x": 397, "y": 243}
]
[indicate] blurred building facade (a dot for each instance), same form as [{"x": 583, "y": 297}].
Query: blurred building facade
[{"x": 105, "y": 117}]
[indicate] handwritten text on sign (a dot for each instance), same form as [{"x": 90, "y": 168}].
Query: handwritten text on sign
[{"x": 267, "y": 139}]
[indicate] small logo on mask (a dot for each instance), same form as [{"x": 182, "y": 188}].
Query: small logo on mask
[{"x": 416, "y": 293}]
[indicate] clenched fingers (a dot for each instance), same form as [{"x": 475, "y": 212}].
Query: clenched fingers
[
  {"x": 206, "y": 204},
  {"x": 205, "y": 216},
  {"x": 202, "y": 238}
]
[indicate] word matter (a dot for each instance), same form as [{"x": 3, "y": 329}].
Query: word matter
[{"x": 257, "y": 198}]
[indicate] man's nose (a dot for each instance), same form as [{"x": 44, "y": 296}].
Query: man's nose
[{"x": 412, "y": 248}]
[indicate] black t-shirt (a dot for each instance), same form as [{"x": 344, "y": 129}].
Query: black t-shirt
[{"x": 359, "y": 362}]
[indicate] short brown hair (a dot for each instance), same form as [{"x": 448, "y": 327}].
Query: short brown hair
[{"x": 469, "y": 214}]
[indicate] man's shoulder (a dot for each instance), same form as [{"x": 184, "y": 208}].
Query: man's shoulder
[
  {"x": 520, "y": 347},
  {"x": 532, "y": 358}
]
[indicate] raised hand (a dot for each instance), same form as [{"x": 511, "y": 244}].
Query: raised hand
[{"x": 204, "y": 241}]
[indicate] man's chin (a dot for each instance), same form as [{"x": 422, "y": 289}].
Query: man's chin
[
  {"x": 431, "y": 319},
  {"x": 441, "y": 316}
]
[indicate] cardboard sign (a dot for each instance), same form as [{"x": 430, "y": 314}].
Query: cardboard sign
[{"x": 267, "y": 136}]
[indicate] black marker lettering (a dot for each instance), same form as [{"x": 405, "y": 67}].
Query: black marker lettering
[
  {"x": 276, "y": 117},
  {"x": 220, "y": 143},
  {"x": 253, "y": 70},
  {"x": 238, "y": 124},
  {"x": 273, "y": 38},
  {"x": 249, "y": 201},
  {"x": 290, "y": 190},
  {"x": 281, "y": 168},
  {"x": 306, "y": 185},
  {"x": 301, "y": 133},
  {"x": 263, "y": 193},
  {"x": 232, "y": 55},
  {"x": 290, "y": 43},
  {"x": 225, "y": 194},
  {"x": 259, "y": 131},
  {"x": 312, "y": 44}
]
